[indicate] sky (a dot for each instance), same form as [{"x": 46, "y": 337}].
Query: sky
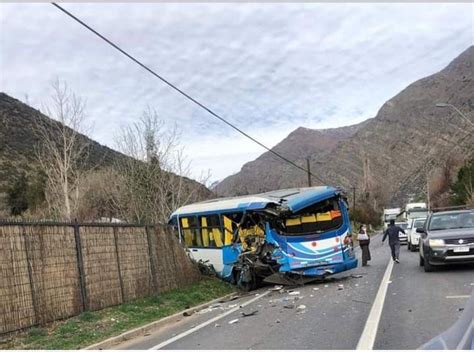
[{"x": 267, "y": 68}]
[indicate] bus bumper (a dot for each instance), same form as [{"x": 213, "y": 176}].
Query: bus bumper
[{"x": 325, "y": 270}]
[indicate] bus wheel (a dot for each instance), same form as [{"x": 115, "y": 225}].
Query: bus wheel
[{"x": 246, "y": 280}]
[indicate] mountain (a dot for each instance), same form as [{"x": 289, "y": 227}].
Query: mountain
[
  {"x": 269, "y": 172},
  {"x": 18, "y": 142},
  {"x": 391, "y": 154}
]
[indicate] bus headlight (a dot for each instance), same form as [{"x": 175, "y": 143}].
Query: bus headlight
[{"x": 436, "y": 243}]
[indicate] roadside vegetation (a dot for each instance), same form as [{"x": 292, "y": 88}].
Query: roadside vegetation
[
  {"x": 91, "y": 327},
  {"x": 146, "y": 180}
]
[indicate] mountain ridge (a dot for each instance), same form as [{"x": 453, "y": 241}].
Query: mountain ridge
[{"x": 406, "y": 133}]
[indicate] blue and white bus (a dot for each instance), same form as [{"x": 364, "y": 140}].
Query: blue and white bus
[{"x": 296, "y": 234}]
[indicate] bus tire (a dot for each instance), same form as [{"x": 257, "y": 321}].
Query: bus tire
[{"x": 246, "y": 280}]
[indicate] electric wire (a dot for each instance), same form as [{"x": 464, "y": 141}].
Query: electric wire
[{"x": 201, "y": 105}]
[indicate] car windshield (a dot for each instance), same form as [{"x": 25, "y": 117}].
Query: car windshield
[
  {"x": 448, "y": 221},
  {"x": 418, "y": 223}
]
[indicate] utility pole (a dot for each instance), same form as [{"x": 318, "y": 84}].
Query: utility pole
[
  {"x": 353, "y": 198},
  {"x": 428, "y": 192},
  {"x": 308, "y": 168}
]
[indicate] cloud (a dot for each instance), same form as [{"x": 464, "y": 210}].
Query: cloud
[{"x": 268, "y": 68}]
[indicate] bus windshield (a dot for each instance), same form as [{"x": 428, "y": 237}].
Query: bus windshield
[{"x": 318, "y": 218}]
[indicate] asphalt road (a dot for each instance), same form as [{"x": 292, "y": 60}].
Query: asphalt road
[{"x": 417, "y": 307}]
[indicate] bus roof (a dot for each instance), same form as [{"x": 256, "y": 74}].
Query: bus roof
[{"x": 295, "y": 198}]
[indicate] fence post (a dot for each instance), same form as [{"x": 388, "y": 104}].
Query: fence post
[
  {"x": 30, "y": 276},
  {"x": 118, "y": 264},
  {"x": 80, "y": 266},
  {"x": 153, "y": 279}
]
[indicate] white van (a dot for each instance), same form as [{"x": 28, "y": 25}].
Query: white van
[{"x": 413, "y": 236}]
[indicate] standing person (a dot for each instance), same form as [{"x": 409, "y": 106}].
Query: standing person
[
  {"x": 364, "y": 241},
  {"x": 393, "y": 239}
]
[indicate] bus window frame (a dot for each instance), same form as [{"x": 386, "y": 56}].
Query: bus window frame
[
  {"x": 340, "y": 201},
  {"x": 200, "y": 228}
]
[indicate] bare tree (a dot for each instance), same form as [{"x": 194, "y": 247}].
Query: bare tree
[
  {"x": 154, "y": 181},
  {"x": 62, "y": 151}
]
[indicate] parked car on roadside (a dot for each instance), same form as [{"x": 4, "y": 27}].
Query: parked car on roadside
[
  {"x": 402, "y": 236},
  {"x": 413, "y": 236},
  {"x": 447, "y": 238}
]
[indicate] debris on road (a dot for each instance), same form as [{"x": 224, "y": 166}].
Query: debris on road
[
  {"x": 294, "y": 293},
  {"x": 340, "y": 287},
  {"x": 315, "y": 288},
  {"x": 233, "y": 321},
  {"x": 232, "y": 298},
  {"x": 356, "y": 300},
  {"x": 389, "y": 281},
  {"x": 301, "y": 307},
  {"x": 326, "y": 285},
  {"x": 460, "y": 309},
  {"x": 357, "y": 276},
  {"x": 409, "y": 310},
  {"x": 249, "y": 314},
  {"x": 276, "y": 288},
  {"x": 311, "y": 296},
  {"x": 188, "y": 313},
  {"x": 277, "y": 321},
  {"x": 217, "y": 325},
  {"x": 289, "y": 306}
]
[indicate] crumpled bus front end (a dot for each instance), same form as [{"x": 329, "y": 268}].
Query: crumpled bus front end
[{"x": 314, "y": 256}]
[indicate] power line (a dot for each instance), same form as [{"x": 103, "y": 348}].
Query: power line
[{"x": 182, "y": 92}]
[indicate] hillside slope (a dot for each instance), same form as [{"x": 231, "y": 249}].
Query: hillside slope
[
  {"x": 18, "y": 142},
  {"x": 268, "y": 172},
  {"x": 391, "y": 153}
]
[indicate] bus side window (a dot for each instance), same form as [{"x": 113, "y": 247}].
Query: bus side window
[
  {"x": 187, "y": 232},
  {"x": 228, "y": 230},
  {"x": 191, "y": 232},
  {"x": 214, "y": 222},
  {"x": 196, "y": 231},
  {"x": 211, "y": 228},
  {"x": 205, "y": 232}
]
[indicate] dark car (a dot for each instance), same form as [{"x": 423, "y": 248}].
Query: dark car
[{"x": 447, "y": 238}]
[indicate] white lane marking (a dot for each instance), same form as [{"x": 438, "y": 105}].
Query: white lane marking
[
  {"x": 459, "y": 296},
  {"x": 200, "y": 326},
  {"x": 367, "y": 339}
]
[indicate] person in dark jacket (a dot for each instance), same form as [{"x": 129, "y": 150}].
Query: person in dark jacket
[
  {"x": 364, "y": 241},
  {"x": 393, "y": 239}
]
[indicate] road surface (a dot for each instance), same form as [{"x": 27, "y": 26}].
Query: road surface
[{"x": 406, "y": 309}]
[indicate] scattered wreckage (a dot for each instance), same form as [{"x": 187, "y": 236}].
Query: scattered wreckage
[{"x": 289, "y": 236}]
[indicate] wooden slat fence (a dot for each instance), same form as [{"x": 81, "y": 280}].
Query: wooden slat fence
[{"x": 51, "y": 271}]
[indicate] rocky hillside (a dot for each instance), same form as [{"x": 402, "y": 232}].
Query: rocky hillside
[
  {"x": 300, "y": 144},
  {"x": 389, "y": 155},
  {"x": 18, "y": 142}
]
